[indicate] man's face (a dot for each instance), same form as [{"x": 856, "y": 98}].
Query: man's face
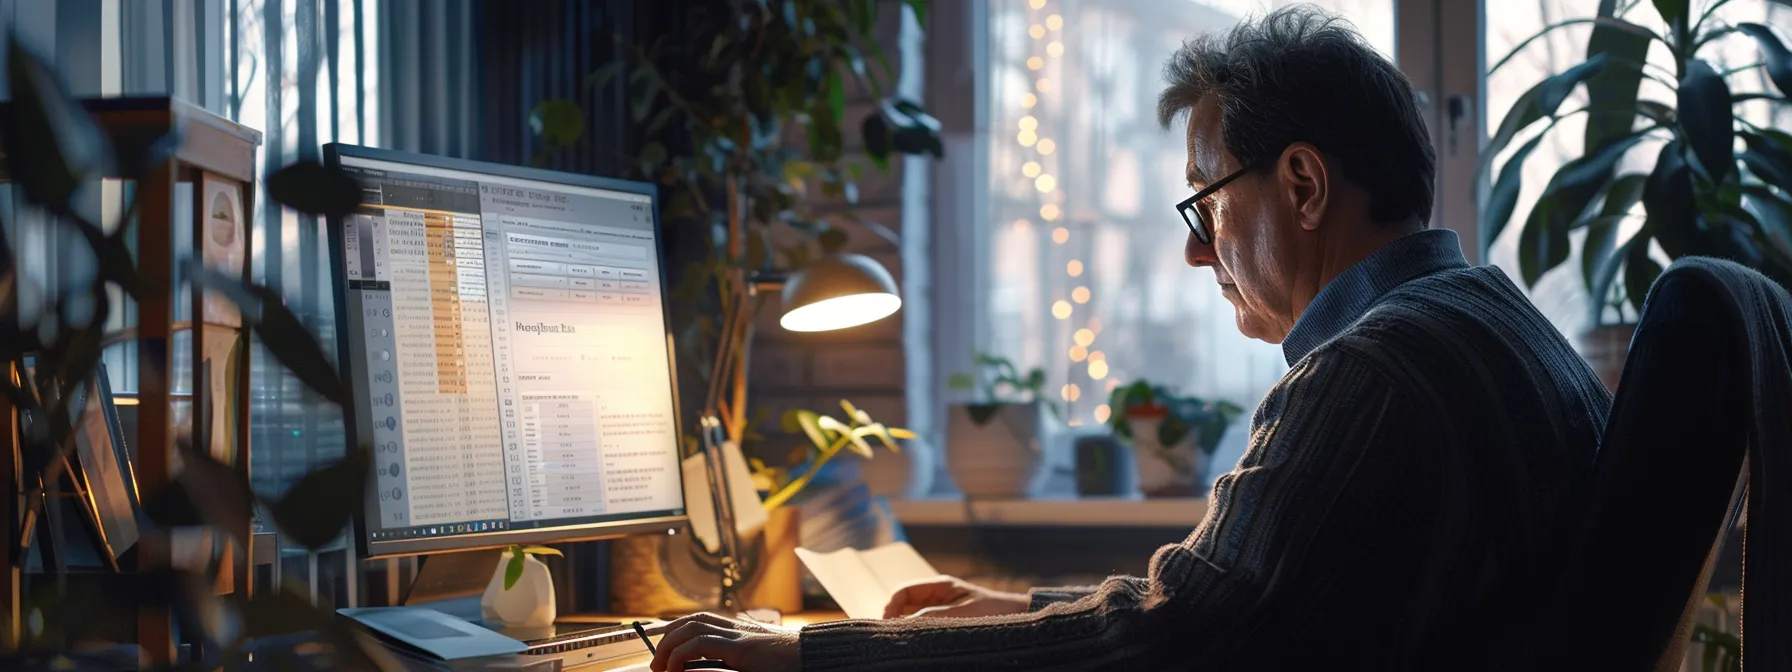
[{"x": 1253, "y": 227}]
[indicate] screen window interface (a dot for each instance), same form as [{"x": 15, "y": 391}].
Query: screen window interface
[{"x": 514, "y": 365}]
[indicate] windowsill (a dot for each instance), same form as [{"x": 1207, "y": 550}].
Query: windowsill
[{"x": 1090, "y": 512}]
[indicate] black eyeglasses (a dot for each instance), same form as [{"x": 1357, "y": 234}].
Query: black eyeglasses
[{"x": 1197, "y": 224}]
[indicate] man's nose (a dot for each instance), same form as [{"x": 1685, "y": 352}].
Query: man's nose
[{"x": 1197, "y": 253}]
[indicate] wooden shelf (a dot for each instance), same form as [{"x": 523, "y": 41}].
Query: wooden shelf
[{"x": 1114, "y": 512}]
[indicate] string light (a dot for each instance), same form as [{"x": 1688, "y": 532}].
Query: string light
[
  {"x": 1055, "y": 49},
  {"x": 1044, "y": 85},
  {"x": 1080, "y": 295},
  {"x": 1027, "y": 138},
  {"x": 1030, "y": 169},
  {"x": 1083, "y": 337},
  {"x": 1102, "y": 412},
  {"x": 1098, "y": 369},
  {"x": 1061, "y": 309},
  {"x": 1046, "y": 146},
  {"x": 1045, "y": 183},
  {"x": 1054, "y": 22},
  {"x": 1022, "y": 225},
  {"x": 1049, "y": 212},
  {"x": 1037, "y": 4},
  {"x": 1074, "y": 268},
  {"x": 1029, "y": 123},
  {"x": 1035, "y": 63},
  {"x": 1060, "y": 235},
  {"x": 1037, "y": 32},
  {"x": 1078, "y": 353},
  {"x": 1071, "y": 392},
  {"x": 1028, "y": 100}
]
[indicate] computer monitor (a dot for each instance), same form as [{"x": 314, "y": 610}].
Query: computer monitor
[{"x": 504, "y": 337}]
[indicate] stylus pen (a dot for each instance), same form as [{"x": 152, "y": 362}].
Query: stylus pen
[{"x": 644, "y": 640}]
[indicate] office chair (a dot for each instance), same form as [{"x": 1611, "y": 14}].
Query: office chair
[{"x": 1701, "y": 423}]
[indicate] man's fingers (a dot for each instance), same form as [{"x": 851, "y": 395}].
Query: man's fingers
[
  {"x": 679, "y": 633},
  {"x": 923, "y": 593},
  {"x": 716, "y": 647}
]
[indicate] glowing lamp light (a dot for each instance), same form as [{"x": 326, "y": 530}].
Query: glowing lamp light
[{"x": 837, "y": 292}]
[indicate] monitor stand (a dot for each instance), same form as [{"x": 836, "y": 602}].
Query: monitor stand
[{"x": 446, "y": 576}]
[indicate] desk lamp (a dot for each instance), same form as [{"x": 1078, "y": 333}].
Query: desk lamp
[{"x": 835, "y": 292}]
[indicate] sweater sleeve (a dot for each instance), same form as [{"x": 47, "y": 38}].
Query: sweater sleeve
[
  {"x": 1200, "y": 596},
  {"x": 1040, "y": 598}
]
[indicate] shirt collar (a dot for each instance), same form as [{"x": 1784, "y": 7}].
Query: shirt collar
[{"x": 1348, "y": 296}]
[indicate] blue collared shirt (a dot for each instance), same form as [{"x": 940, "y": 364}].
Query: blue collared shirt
[{"x": 1347, "y": 297}]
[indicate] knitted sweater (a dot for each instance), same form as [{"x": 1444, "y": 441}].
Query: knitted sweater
[{"x": 1391, "y": 511}]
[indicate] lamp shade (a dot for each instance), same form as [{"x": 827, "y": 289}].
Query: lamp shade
[{"x": 838, "y": 291}]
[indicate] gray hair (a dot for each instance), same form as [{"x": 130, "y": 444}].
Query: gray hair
[{"x": 1301, "y": 74}]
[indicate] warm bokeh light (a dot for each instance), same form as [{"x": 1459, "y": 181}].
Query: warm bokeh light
[
  {"x": 1035, "y": 63},
  {"x": 1113, "y": 383},
  {"x": 1095, "y": 324},
  {"x": 1027, "y": 138},
  {"x": 1037, "y": 32},
  {"x": 1028, "y": 123},
  {"x": 1049, "y": 212},
  {"x": 1080, "y": 295},
  {"x": 1078, "y": 353},
  {"x": 1060, "y": 235},
  {"x": 1055, "y": 49},
  {"x": 1083, "y": 337},
  {"x": 1061, "y": 309},
  {"x": 841, "y": 312},
  {"x": 1043, "y": 85},
  {"x": 1098, "y": 355},
  {"x": 1028, "y": 100},
  {"x": 1098, "y": 369},
  {"x": 1071, "y": 392},
  {"x": 1045, "y": 183},
  {"x": 1102, "y": 413},
  {"x": 1037, "y": 4},
  {"x": 1030, "y": 169},
  {"x": 1054, "y": 21},
  {"x": 1046, "y": 146},
  {"x": 1074, "y": 268}
]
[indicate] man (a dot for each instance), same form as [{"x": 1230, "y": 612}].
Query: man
[{"x": 1395, "y": 507}]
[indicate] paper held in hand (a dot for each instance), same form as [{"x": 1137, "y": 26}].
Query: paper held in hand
[{"x": 861, "y": 582}]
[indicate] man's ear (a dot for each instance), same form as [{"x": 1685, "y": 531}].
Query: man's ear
[{"x": 1306, "y": 183}]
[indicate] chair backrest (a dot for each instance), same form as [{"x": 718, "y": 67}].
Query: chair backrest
[{"x": 1706, "y": 384}]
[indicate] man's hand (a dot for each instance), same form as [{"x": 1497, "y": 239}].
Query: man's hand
[
  {"x": 742, "y": 645},
  {"x": 952, "y": 596}
]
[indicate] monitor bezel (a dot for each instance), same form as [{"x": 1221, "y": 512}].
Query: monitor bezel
[{"x": 368, "y": 548}]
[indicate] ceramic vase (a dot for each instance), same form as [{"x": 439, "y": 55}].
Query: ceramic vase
[
  {"x": 993, "y": 450},
  {"x": 1167, "y": 471},
  {"x": 528, "y": 604}
]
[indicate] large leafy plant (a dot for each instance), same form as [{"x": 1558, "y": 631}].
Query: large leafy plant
[
  {"x": 52, "y": 149},
  {"x": 996, "y": 381},
  {"x": 1701, "y": 197},
  {"x": 1179, "y": 415},
  {"x": 745, "y": 122}
]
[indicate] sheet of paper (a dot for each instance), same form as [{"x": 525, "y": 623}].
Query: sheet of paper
[
  {"x": 861, "y": 581},
  {"x": 749, "y": 514}
]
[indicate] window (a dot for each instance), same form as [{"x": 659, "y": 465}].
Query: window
[
  {"x": 1561, "y": 293},
  {"x": 1081, "y": 257}
]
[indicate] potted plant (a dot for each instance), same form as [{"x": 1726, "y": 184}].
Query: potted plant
[
  {"x": 1173, "y": 437},
  {"x": 521, "y": 592},
  {"x": 1701, "y": 196},
  {"x": 992, "y": 442}
]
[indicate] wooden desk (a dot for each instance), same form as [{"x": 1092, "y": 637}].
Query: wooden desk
[{"x": 797, "y": 619}]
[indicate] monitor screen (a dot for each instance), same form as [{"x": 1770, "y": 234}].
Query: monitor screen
[{"x": 505, "y": 340}]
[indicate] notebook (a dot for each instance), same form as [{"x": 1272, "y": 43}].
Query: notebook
[{"x": 861, "y": 582}]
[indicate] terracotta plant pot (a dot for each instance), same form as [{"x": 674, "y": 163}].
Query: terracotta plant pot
[{"x": 1605, "y": 349}]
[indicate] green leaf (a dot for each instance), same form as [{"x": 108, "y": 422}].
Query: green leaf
[
  {"x": 558, "y": 122},
  {"x": 602, "y": 76},
  {"x": 1672, "y": 11},
  {"x": 513, "y": 571},
  {"x": 1543, "y": 243},
  {"x": 1640, "y": 273},
  {"x": 837, "y": 97},
  {"x": 1668, "y": 201},
  {"x": 1602, "y": 231},
  {"x": 1769, "y": 162},
  {"x": 1502, "y": 200},
  {"x": 961, "y": 382},
  {"x": 1706, "y": 120},
  {"x": 877, "y": 138},
  {"x": 52, "y": 145},
  {"x": 1658, "y": 112},
  {"x": 1775, "y": 215},
  {"x": 542, "y": 550},
  {"x": 1542, "y": 100},
  {"x": 221, "y": 494},
  {"x": 313, "y": 188},
  {"x": 1774, "y": 53},
  {"x": 1611, "y": 94},
  {"x": 317, "y": 508}
]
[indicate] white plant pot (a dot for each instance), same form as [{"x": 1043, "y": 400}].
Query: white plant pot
[
  {"x": 997, "y": 457},
  {"x": 528, "y": 604},
  {"x": 1174, "y": 471},
  {"x": 904, "y": 475}
]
